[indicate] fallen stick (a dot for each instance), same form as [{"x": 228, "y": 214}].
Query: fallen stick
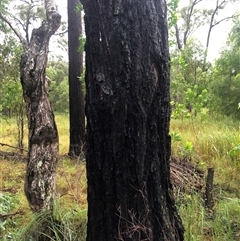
[
  {"x": 19, "y": 148},
  {"x": 9, "y": 215}
]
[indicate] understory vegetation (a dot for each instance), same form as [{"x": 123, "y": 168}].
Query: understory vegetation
[
  {"x": 205, "y": 128},
  {"x": 202, "y": 141}
]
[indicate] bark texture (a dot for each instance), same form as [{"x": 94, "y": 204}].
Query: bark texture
[
  {"x": 43, "y": 136},
  {"x": 76, "y": 94},
  {"x": 128, "y": 114}
]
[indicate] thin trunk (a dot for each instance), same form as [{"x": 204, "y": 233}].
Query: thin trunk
[
  {"x": 178, "y": 37},
  {"x": 20, "y": 125},
  {"x": 76, "y": 94},
  {"x": 219, "y": 5},
  {"x": 128, "y": 115},
  {"x": 189, "y": 16}
]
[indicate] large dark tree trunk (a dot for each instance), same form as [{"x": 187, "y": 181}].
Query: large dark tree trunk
[
  {"x": 76, "y": 94},
  {"x": 128, "y": 114},
  {"x": 43, "y": 135}
]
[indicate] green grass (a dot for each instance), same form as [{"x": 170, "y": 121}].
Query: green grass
[
  {"x": 211, "y": 142},
  {"x": 208, "y": 143}
]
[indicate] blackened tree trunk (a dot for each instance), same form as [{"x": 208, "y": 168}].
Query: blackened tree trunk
[
  {"x": 128, "y": 114},
  {"x": 76, "y": 94},
  {"x": 43, "y": 135}
]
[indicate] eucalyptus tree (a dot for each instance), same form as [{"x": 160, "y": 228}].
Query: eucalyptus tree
[
  {"x": 213, "y": 19},
  {"x": 189, "y": 16},
  {"x": 76, "y": 94},
  {"x": 43, "y": 135},
  {"x": 196, "y": 14},
  {"x": 128, "y": 115}
]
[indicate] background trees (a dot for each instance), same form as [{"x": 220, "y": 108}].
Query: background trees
[
  {"x": 191, "y": 72},
  {"x": 76, "y": 94},
  {"x": 226, "y": 79},
  {"x": 185, "y": 66},
  {"x": 57, "y": 71}
]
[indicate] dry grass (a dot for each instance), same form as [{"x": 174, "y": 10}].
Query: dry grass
[
  {"x": 206, "y": 142},
  {"x": 63, "y": 131},
  {"x": 70, "y": 179},
  {"x": 211, "y": 143},
  {"x": 8, "y": 133}
]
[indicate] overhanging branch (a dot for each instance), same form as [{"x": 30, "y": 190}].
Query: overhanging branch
[
  {"x": 230, "y": 17},
  {"x": 16, "y": 31}
]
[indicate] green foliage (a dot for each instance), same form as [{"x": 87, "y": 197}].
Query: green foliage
[
  {"x": 3, "y": 10},
  {"x": 57, "y": 71},
  {"x": 3, "y": 6},
  {"x": 192, "y": 104},
  {"x": 234, "y": 153},
  {"x": 188, "y": 149},
  {"x": 7, "y": 204},
  {"x": 11, "y": 97},
  {"x": 78, "y": 7},
  {"x": 29, "y": 12},
  {"x": 10, "y": 57},
  {"x": 175, "y": 136},
  {"x": 82, "y": 41},
  {"x": 59, "y": 96},
  {"x": 189, "y": 83},
  {"x": 225, "y": 85},
  {"x": 10, "y": 87},
  {"x": 172, "y": 12}
]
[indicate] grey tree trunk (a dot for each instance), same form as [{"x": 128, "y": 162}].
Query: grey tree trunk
[
  {"x": 128, "y": 115},
  {"x": 76, "y": 94},
  {"x": 43, "y": 136}
]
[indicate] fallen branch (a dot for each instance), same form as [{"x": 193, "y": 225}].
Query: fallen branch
[
  {"x": 12, "y": 155},
  {"x": 185, "y": 176},
  {"x": 19, "y": 148},
  {"x": 9, "y": 215}
]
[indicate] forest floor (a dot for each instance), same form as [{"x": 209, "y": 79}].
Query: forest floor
[{"x": 196, "y": 145}]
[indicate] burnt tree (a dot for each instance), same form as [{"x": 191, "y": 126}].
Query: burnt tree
[
  {"x": 76, "y": 94},
  {"x": 43, "y": 135},
  {"x": 128, "y": 115}
]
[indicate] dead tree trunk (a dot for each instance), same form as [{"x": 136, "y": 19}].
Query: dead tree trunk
[
  {"x": 43, "y": 136},
  {"x": 128, "y": 114}
]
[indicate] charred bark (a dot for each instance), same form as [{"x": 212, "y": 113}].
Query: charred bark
[
  {"x": 128, "y": 114},
  {"x": 43, "y": 136},
  {"x": 76, "y": 94}
]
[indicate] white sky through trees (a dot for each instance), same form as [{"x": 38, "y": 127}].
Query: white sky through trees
[{"x": 219, "y": 33}]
